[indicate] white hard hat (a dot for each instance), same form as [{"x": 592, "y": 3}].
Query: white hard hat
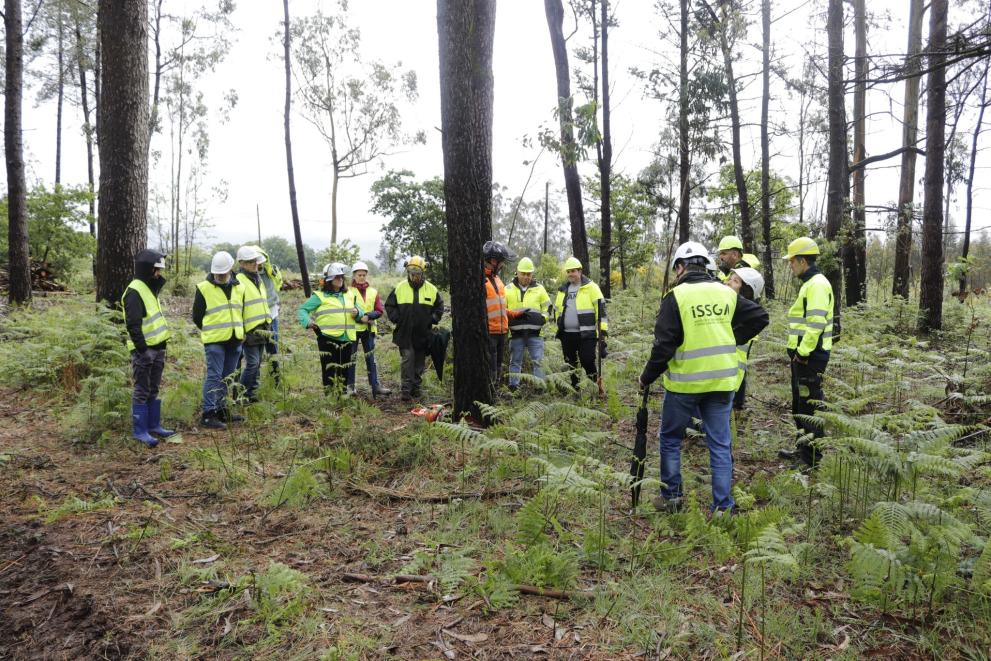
[
  {"x": 688, "y": 250},
  {"x": 333, "y": 270},
  {"x": 261, "y": 254},
  {"x": 249, "y": 254},
  {"x": 752, "y": 278},
  {"x": 222, "y": 263},
  {"x": 711, "y": 265},
  {"x": 359, "y": 266}
]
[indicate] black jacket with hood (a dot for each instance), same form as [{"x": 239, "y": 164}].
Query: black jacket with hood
[
  {"x": 413, "y": 321},
  {"x": 134, "y": 307}
]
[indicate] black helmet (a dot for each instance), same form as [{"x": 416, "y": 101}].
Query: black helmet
[
  {"x": 149, "y": 256},
  {"x": 495, "y": 250}
]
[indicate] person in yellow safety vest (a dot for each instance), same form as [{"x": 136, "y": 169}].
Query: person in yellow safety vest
[
  {"x": 271, "y": 275},
  {"x": 370, "y": 301},
  {"x": 332, "y": 313},
  {"x": 749, "y": 284},
  {"x": 147, "y": 334},
  {"x": 810, "y": 340},
  {"x": 414, "y": 307},
  {"x": 698, "y": 329},
  {"x": 730, "y": 253},
  {"x": 580, "y": 308},
  {"x": 528, "y": 304},
  {"x": 218, "y": 306},
  {"x": 494, "y": 255},
  {"x": 257, "y": 319}
]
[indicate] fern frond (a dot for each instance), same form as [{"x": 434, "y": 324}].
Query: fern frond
[{"x": 460, "y": 433}]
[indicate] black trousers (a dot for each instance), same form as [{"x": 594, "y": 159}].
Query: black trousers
[
  {"x": 146, "y": 370},
  {"x": 497, "y": 354},
  {"x": 578, "y": 349},
  {"x": 335, "y": 357},
  {"x": 806, "y": 387}
]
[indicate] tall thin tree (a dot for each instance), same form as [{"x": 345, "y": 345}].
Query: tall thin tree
[
  {"x": 965, "y": 251},
  {"x": 605, "y": 162},
  {"x": 684, "y": 157},
  {"x": 855, "y": 241},
  {"x": 931, "y": 282},
  {"x": 466, "y": 31},
  {"x": 837, "y": 181},
  {"x": 19, "y": 261},
  {"x": 88, "y": 128},
  {"x": 293, "y": 207},
  {"x": 765, "y": 146}
]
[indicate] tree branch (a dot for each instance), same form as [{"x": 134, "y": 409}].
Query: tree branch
[{"x": 853, "y": 167}]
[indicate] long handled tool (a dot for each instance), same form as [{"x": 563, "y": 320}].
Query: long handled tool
[{"x": 639, "y": 449}]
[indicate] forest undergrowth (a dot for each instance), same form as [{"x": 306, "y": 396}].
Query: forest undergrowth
[{"x": 351, "y": 529}]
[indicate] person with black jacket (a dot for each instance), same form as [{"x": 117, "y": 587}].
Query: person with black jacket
[
  {"x": 698, "y": 329},
  {"x": 147, "y": 335},
  {"x": 414, "y": 307}
]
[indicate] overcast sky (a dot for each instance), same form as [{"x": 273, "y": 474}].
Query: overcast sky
[{"x": 248, "y": 150}]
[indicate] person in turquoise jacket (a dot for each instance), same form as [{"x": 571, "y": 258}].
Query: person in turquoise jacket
[{"x": 332, "y": 313}]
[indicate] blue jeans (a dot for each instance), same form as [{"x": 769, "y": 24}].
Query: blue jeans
[
  {"x": 251, "y": 369},
  {"x": 676, "y": 416},
  {"x": 367, "y": 341},
  {"x": 221, "y": 362},
  {"x": 534, "y": 345}
]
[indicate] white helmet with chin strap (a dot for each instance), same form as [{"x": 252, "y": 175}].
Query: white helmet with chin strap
[{"x": 691, "y": 250}]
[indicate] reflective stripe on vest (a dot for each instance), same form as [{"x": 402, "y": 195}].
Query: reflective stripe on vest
[
  {"x": 426, "y": 294},
  {"x": 495, "y": 305},
  {"x": 707, "y": 360},
  {"x": 803, "y": 318},
  {"x": 534, "y": 297},
  {"x": 334, "y": 316},
  {"x": 154, "y": 327},
  {"x": 223, "y": 318},
  {"x": 587, "y": 306},
  {"x": 370, "y": 295},
  {"x": 256, "y": 310}
]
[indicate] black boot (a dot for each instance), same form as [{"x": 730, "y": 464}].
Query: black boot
[
  {"x": 227, "y": 416},
  {"x": 210, "y": 420}
]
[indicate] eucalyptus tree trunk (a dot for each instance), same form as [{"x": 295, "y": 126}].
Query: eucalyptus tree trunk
[
  {"x": 970, "y": 177},
  {"x": 836, "y": 178},
  {"x": 293, "y": 207},
  {"x": 88, "y": 128},
  {"x": 605, "y": 163},
  {"x": 765, "y": 150},
  {"x": 684, "y": 158},
  {"x": 855, "y": 242},
  {"x": 19, "y": 261}
]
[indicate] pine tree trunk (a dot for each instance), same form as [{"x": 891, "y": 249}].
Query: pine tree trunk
[
  {"x": 17, "y": 215},
  {"x": 87, "y": 128},
  {"x": 970, "y": 177},
  {"x": 293, "y": 207},
  {"x": 59, "y": 95},
  {"x": 157, "y": 74},
  {"x": 931, "y": 283},
  {"x": 605, "y": 164},
  {"x": 466, "y": 31},
  {"x": 855, "y": 241},
  {"x": 910, "y": 133},
  {"x": 836, "y": 177},
  {"x": 684, "y": 158},
  {"x": 554, "y": 11},
  {"x": 765, "y": 150},
  {"x": 123, "y": 117}
]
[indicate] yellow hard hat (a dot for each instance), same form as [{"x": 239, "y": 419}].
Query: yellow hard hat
[
  {"x": 751, "y": 260},
  {"x": 416, "y": 262},
  {"x": 525, "y": 265},
  {"x": 731, "y": 243},
  {"x": 803, "y": 245},
  {"x": 572, "y": 263}
]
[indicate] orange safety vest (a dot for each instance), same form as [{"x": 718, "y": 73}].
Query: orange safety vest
[{"x": 495, "y": 306}]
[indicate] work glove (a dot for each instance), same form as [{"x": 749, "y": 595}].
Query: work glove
[
  {"x": 603, "y": 349},
  {"x": 800, "y": 360}
]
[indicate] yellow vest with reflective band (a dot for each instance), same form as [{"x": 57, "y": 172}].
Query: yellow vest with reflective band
[
  {"x": 810, "y": 319},
  {"x": 742, "y": 357},
  {"x": 153, "y": 325},
  {"x": 535, "y": 297},
  {"x": 587, "y": 305},
  {"x": 256, "y": 310},
  {"x": 334, "y": 316},
  {"x": 370, "y": 294},
  {"x": 707, "y": 359},
  {"x": 404, "y": 293},
  {"x": 223, "y": 317}
]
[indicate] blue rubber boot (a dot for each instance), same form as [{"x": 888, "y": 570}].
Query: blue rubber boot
[
  {"x": 155, "y": 419},
  {"x": 139, "y": 417}
]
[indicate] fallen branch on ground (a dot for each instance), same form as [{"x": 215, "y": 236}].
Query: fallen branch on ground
[
  {"x": 432, "y": 498},
  {"x": 399, "y": 579}
]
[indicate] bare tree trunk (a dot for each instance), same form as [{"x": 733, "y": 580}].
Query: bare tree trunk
[
  {"x": 855, "y": 242},
  {"x": 910, "y": 133},
  {"x": 300, "y": 253},
  {"x": 837, "y": 180},
  {"x": 60, "y": 94},
  {"x": 765, "y": 150},
  {"x": 605, "y": 164},
  {"x": 466, "y": 31},
  {"x": 931, "y": 283},
  {"x": 333, "y": 206},
  {"x": 554, "y": 11},
  {"x": 87, "y": 127},
  {"x": 970, "y": 177},
  {"x": 157, "y": 74},
  {"x": 123, "y": 118},
  {"x": 684, "y": 158},
  {"x": 17, "y": 214}
]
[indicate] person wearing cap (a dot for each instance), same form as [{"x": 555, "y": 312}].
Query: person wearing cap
[
  {"x": 147, "y": 334},
  {"x": 494, "y": 255},
  {"x": 218, "y": 306},
  {"x": 271, "y": 275},
  {"x": 581, "y": 319},
  {"x": 332, "y": 313},
  {"x": 413, "y": 307},
  {"x": 257, "y": 318},
  {"x": 810, "y": 340},
  {"x": 730, "y": 254},
  {"x": 698, "y": 329},
  {"x": 748, "y": 283},
  {"x": 370, "y": 301},
  {"x": 527, "y": 304}
]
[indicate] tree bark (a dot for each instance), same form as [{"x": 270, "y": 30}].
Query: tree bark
[
  {"x": 60, "y": 94},
  {"x": 466, "y": 31},
  {"x": 684, "y": 158},
  {"x": 931, "y": 284},
  {"x": 605, "y": 164},
  {"x": 157, "y": 75},
  {"x": 123, "y": 117},
  {"x": 87, "y": 127},
  {"x": 836, "y": 178},
  {"x": 17, "y": 215},
  {"x": 765, "y": 149},
  {"x": 855, "y": 241},
  {"x": 970, "y": 177},
  {"x": 554, "y": 11},
  {"x": 293, "y": 207},
  {"x": 910, "y": 133}
]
